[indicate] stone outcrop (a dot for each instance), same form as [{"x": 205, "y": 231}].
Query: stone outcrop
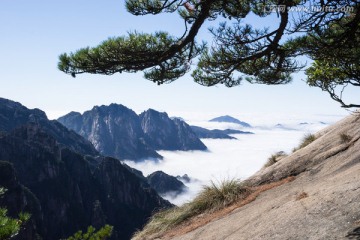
[
  {"x": 164, "y": 183},
  {"x": 114, "y": 130},
  {"x": 117, "y": 131},
  {"x": 163, "y": 133}
]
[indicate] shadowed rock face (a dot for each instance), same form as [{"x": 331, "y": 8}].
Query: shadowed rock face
[
  {"x": 13, "y": 115},
  {"x": 114, "y": 131},
  {"x": 70, "y": 195},
  {"x": 19, "y": 199},
  {"x": 117, "y": 131},
  {"x": 164, "y": 133},
  {"x": 164, "y": 183},
  {"x": 58, "y": 177}
]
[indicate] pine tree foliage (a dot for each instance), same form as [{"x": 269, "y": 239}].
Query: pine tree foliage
[
  {"x": 91, "y": 234},
  {"x": 328, "y": 33},
  {"x": 10, "y": 227}
]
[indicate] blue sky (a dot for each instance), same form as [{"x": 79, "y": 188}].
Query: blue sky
[{"x": 34, "y": 33}]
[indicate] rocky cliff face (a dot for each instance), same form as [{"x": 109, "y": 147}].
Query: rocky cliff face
[
  {"x": 70, "y": 195},
  {"x": 46, "y": 173},
  {"x": 17, "y": 199},
  {"x": 164, "y": 133},
  {"x": 114, "y": 131},
  {"x": 117, "y": 131}
]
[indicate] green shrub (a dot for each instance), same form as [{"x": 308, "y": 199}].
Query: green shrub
[
  {"x": 9, "y": 227},
  {"x": 91, "y": 234}
]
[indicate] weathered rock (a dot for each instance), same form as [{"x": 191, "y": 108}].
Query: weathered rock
[
  {"x": 164, "y": 133},
  {"x": 118, "y": 132},
  {"x": 114, "y": 130}
]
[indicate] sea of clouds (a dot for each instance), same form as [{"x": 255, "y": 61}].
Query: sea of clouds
[{"x": 234, "y": 159}]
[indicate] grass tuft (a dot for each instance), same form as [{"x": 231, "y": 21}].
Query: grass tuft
[
  {"x": 345, "y": 138},
  {"x": 274, "y": 158},
  {"x": 211, "y": 198},
  {"x": 307, "y": 139}
]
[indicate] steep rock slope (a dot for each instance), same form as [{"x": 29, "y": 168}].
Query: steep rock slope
[
  {"x": 114, "y": 130},
  {"x": 322, "y": 202},
  {"x": 117, "y": 131},
  {"x": 13, "y": 115},
  {"x": 164, "y": 133},
  {"x": 17, "y": 199},
  {"x": 71, "y": 196}
]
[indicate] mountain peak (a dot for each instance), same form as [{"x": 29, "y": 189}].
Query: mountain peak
[
  {"x": 114, "y": 130},
  {"x": 112, "y": 108},
  {"x": 230, "y": 119},
  {"x": 164, "y": 133},
  {"x": 73, "y": 114},
  {"x": 164, "y": 183},
  {"x": 156, "y": 113},
  {"x": 118, "y": 131},
  {"x": 13, "y": 115}
]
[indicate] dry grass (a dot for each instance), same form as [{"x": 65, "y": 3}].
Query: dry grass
[
  {"x": 274, "y": 158},
  {"x": 165, "y": 226},
  {"x": 210, "y": 199},
  {"x": 345, "y": 138},
  {"x": 307, "y": 139}
]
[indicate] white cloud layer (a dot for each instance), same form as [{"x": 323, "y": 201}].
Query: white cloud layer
[{"x": 228, "y": 159}]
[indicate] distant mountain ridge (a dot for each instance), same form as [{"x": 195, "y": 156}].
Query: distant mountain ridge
[
  {"x": 216, "y": 133},
  {"x": 117, "y": 131},
  {"x": 230, "y": 119},
  {"x": 14, "y": 115}
]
